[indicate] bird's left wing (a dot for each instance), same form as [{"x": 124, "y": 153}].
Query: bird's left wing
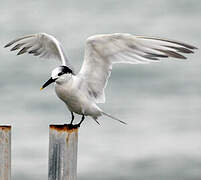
[
  {"x": 102, "y": 51},
  {"x": 42, "y": 45}
]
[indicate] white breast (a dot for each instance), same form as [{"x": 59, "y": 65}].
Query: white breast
[
  {"x": 75, "y": 98},
  {"x": 66, "y": 92}
]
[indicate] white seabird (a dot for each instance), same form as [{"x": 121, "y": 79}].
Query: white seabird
[{"x": 82, "y": 92}]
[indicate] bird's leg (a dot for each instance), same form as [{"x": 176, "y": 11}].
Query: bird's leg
[
  {"x": 72, "y": 118},
  {"x": 83, "y": 117}
]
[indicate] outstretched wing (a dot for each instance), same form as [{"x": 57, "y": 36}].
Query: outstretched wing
[
  {"x": 42, "y": 45},
  {"x": 102, "y": 51}
]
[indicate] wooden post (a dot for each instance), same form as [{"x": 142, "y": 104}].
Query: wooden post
[
  {"x": 63, "y": 140},
  {"x": 5, "y": 152}
]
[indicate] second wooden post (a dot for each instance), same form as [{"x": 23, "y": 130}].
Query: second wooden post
[{"x": 63, "y": 142}]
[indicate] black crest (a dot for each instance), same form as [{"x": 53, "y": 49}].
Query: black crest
[{"x": 65, "y": 70}]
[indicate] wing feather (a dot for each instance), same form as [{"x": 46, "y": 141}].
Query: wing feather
[
  {"x": 42, "y": 45},
  {"x": 102, "y": 51}
]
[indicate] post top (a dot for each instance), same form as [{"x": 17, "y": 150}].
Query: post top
[
  {"x": 64, "y": 127},
  {"x": 5, "y": 127}
]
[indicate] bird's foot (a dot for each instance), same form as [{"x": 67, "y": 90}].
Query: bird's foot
[
  {"x": 77, "y": 125},
  {"x": 72, "y": 126}
]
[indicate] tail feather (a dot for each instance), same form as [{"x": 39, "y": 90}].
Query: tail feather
[
  {"x": 95, "y": 119},
  {"x": 114, "y": 118}
]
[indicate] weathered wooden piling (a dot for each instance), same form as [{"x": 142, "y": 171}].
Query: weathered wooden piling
[
  {"x": 63, "y": 141},
  {"x": 5, "y": 152}
]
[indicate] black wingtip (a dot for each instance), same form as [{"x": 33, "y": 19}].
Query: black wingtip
[
  {"x": 171, "y": 53},
  {"x": 7, "y": 45},
  {"x": 23, "y": 50}
]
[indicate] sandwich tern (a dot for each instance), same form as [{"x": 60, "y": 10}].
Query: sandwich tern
[{"x": 81, "y": 92}]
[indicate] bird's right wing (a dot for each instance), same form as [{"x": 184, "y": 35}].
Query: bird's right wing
[
  {"x": 102, "y": 51},
  {"x": 42, "y": 45}
]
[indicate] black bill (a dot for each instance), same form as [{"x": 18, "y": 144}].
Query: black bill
[{"x": 48, "y": 83}]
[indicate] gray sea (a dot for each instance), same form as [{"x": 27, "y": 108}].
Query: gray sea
[{"x": 160, "y": 102}]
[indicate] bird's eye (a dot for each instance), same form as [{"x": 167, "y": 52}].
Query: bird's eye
[{"x": 61, "y": 73}]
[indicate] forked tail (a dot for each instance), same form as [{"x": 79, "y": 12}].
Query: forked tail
[{"x": 114, "y": 118}]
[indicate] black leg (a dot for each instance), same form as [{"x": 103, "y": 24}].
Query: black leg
[
  {"x": 83, "y": 117},
  {"x": 72, "y": 118}
]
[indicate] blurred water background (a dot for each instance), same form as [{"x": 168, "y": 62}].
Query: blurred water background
[{"x": 161, "y": 102}]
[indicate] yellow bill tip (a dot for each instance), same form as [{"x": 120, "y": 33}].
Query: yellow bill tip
[{"x": 41, "y": 88}]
